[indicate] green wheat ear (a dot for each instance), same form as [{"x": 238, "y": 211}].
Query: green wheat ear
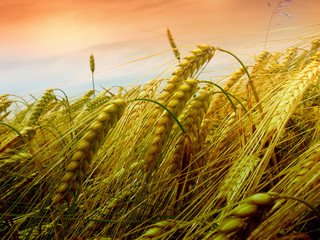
[
  {"x": 92, "y": 68},
  {"x": 173, "y": 45}
]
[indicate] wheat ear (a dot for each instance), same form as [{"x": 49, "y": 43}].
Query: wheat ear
[
  {"x": 273, "y": 62},
  {"x": 173, "y": 45},
  {"x": 242, "y": 220},
  {"x": 98, "y": 101},
  {"x": 260, "y": 63},
  {"x": 292, "y": 96},
  {"x": 215, "y": 102},
  {"x": 92, "y": 68},
  {"x": 81, "y": 101},
  {"x": 86, "y": 148},
  {"x": 289, "y": 56},
  {"x": 191, "y": 123},
  {"x": 5, "y": 105},
  {"x": 5, "y": 115},
  {"x": 165, "y": 122},
  {"x": 190, "y": 65},
  {"x": 39, "y": 108},
  {"x": 237, "y": 177}
]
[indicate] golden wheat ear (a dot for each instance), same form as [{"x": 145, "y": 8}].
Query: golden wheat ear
[
  {"x": 86, "y": 148},
  {"x": 173, "y": 45},
  {"x": 40, "y": 106},
  {"x": 92, "y": 68},
  {"x": 81, "y": 101}
]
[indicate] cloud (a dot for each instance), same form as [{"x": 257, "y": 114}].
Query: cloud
[{"x": 53, "y": 39}]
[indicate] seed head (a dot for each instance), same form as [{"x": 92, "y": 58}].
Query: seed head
[{"x": 92, "y": 64}]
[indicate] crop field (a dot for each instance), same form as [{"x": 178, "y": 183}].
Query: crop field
[{"x": 179, "y": 157}]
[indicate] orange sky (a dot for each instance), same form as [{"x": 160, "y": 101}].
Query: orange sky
[{"x": 45, "y": 43}]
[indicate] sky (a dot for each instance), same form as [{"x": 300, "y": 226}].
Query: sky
[{"x": 46, "y": 44}]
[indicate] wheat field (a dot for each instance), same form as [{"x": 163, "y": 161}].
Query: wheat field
[{"x": 180, "y": 157}]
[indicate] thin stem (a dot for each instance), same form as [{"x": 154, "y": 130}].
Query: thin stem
[
  {"x": 67, "y": 106},
  {"x": 269, "y": 24},
  {"x": 279, "y": 196},
  {"x": 244, "y": 67},
  {"x": 21, "y": 136},
  {"x": 49, "y": 125},
  {"x": 225, "y": 93},
  {"x": 58, "y": 89},
  {"x": 92, "y": 77},
  {"x": 235, "y": 99},
  {"x": 249, "y": 77},
  {"x": 175, "y": 118},
  {"x": 24, "y": 101}
]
